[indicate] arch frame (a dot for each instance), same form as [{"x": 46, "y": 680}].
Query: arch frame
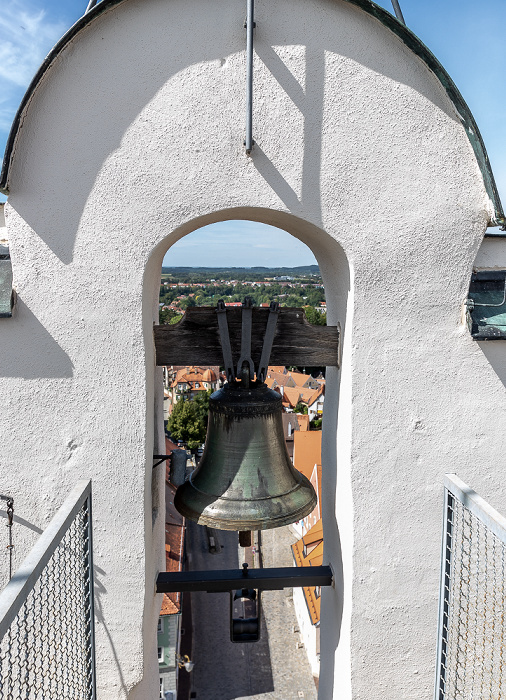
[{"x": 408, "y": 37}]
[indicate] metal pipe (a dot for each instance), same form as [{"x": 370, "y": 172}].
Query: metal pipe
[
  {"x": 250, "y": 23},
  {"x": 398, "y": 11},
  {"x": 88, "y": 521},
  {"x": 219, "y": 581},
  {"x": 91, "y": 4},
  {"x": 480, "y": 508},
  {"x": 16, "y": 591}
]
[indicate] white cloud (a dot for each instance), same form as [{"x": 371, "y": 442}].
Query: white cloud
[{"x": 26, "y": 35}]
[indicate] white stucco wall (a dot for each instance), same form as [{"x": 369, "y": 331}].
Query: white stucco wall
[
  {"x": 307, "y": 630},
  {"x": 133, "y": 139}
]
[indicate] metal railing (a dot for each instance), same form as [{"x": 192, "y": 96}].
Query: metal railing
[
  {"x": 46, "y": 612},
  {"x": 471, "y": 656}
]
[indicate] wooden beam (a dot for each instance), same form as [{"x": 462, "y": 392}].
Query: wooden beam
[{"x": 195, "y": 339}]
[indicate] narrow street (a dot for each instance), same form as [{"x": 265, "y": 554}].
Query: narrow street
[{"x": 273, "y": 668}]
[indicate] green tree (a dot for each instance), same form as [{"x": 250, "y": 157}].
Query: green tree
[
  {"x": 315, "y": 317},
  {"x": 300, "y": 408},
  {"x": 167, "y": 316},
  {"x": 188, "y": 420}
]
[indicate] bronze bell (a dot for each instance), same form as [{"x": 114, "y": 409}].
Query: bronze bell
[{"x": 245, "y": 480}]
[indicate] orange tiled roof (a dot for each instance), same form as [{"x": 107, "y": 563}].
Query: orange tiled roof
[
  {"x": 174, "y": 543},
  {"x": 316, "y": 481},
  {"x": 299, "y": 378},
  {"x": 291, "y": 395},
  {"x": 194, "y": 375},
  {"x": 276, "y": 368},
  {"x": 308, "y": 551},
  {"x": 281, "y": 378},
  {"x": 307, "y": 450},
  {"x": 316, "y": 394},
  {"x": 303, "y": 421}
]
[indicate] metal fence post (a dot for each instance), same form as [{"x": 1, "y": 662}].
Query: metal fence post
[{"x": 444, "y": 591}]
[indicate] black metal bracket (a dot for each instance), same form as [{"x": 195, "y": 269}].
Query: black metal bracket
[
  {"x": 233, "y": 579},
  {"x": 162, "y": 458},
  {"x": 245, "y": 353}
]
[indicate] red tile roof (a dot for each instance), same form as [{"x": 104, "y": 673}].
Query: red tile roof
[
  {"x": 308, "y": 551},
  {"x": 174, "y": 545},
  {"x": 307, "y": 450}
]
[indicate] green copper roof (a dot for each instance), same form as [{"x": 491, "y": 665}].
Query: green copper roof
[{"x": 387, "y": 19}]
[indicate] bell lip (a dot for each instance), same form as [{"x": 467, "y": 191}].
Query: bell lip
[{"x": 243, "y": 524}]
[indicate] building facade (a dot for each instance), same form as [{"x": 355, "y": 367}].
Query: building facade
[{"x": 130, "y": 137}]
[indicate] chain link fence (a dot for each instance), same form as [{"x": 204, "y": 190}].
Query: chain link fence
[
  {"x": 472, "y": 624},
  {"x": 46, "y": 612}
]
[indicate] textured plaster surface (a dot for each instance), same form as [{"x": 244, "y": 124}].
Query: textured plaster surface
[{"x": 132, "y": 140}]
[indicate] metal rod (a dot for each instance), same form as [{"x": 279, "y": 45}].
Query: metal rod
[
  {"x": 268, "y": 340},
  {"x": 10, "y": 520},
  {"x": 478, "y": 507},
  {"x": 250, "y": 23},
  {"x": 246, "y": 325},
  {"x": 161, "y": 459},
  {"x": 92, "y": 690},
  {"x": 444, "y": 592},
  {"x": 398, "y": 11},
  {"x": 233, "y": 579},
  {"x": 91, "y": 4},
  {"x": 221, "y": 311},
  {"x": 15, "y": 592}
]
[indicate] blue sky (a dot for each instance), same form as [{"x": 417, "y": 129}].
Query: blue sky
[{"x": 466, "y": 36}]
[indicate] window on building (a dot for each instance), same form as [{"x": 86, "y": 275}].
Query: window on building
[
  {"x": 160, "y": 655},
  {"x": 160, "y": 625}
]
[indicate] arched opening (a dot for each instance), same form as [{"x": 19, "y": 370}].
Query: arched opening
[{"x": 220, "y": 548}]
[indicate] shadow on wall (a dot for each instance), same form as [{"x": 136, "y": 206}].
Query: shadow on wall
[
  {"x": 23, "y": 522},
  {"x": 495, "y": 352},
  {"x": 101, "y": 590},
  {"x": 29, "y": 350},
  {"x": 110, "y": 86},
  {"x": 18, "y": 554},
  {"x": 310, "y": 104}
]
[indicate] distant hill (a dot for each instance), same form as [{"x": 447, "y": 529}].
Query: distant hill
[{"x": 302, "y": 270}]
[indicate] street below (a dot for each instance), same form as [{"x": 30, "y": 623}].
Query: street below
[{"x": 275, "y": 667}]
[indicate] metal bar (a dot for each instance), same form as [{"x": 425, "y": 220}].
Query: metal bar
[
  {"x": 91, "y": 594},
  {"x": 479, "y": 507},
  {"x": 444, "y": 592},
  {"x": 246, "y": 325},
  {"x": 398, "y": 11},
  {"x": 221, "y": 312},
  {"x": 250, "y": 23},
  {"x": 91, "y": 4},
  {"x": 10, "y": 520},
  {"x": 233, "y": 579},
  {"x": 161, "y": 459},
  {"x": 14, "y": 594},
  {"x": 268, "y": 340}
]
